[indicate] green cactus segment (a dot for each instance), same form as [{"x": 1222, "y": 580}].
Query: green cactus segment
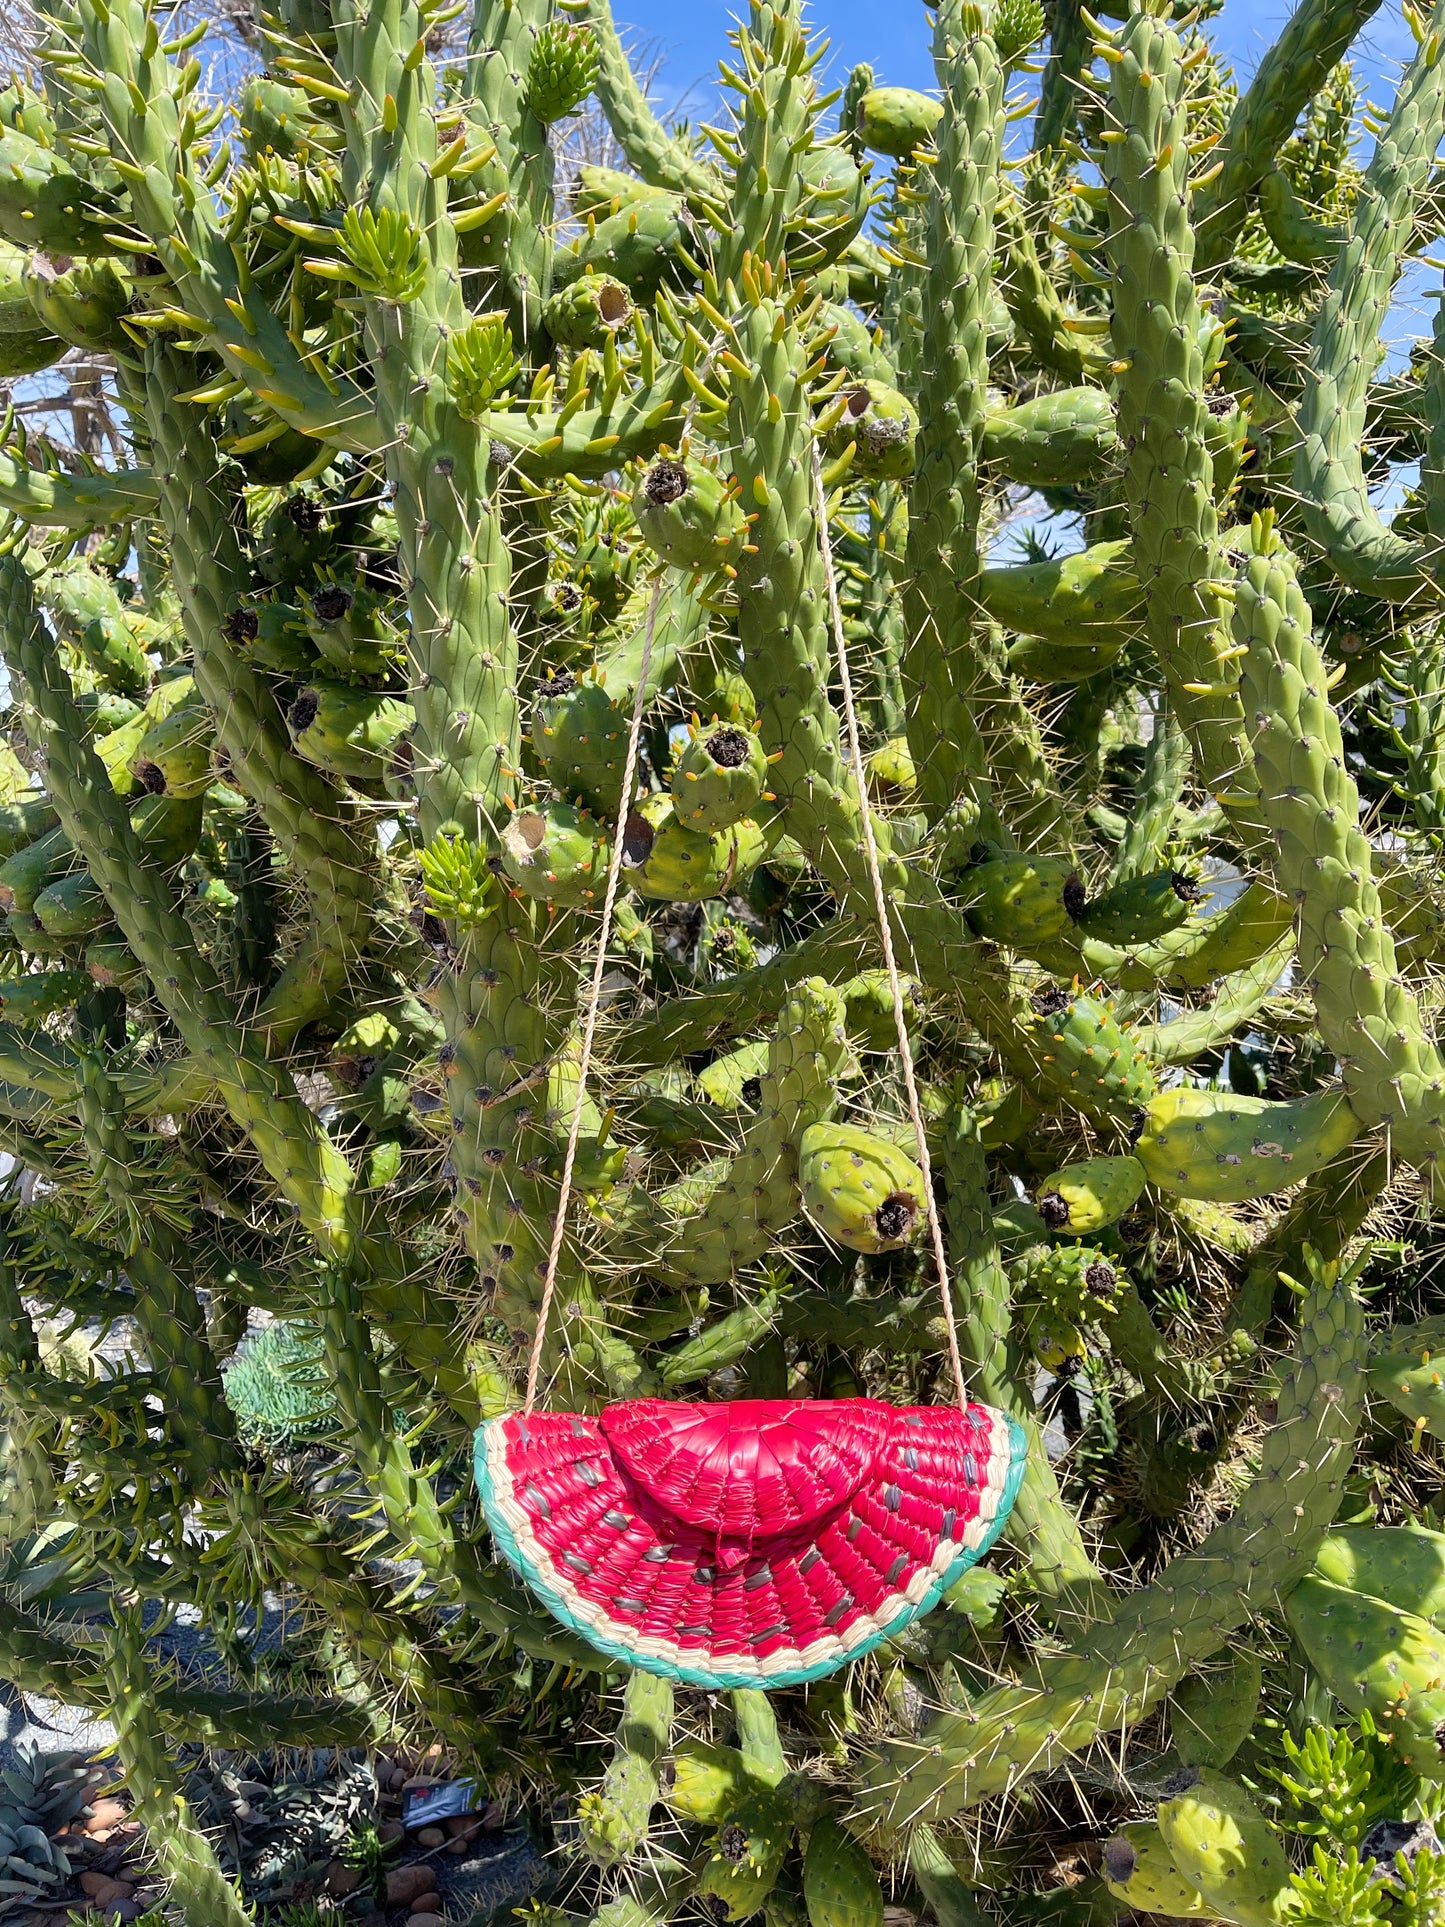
[
  {"x": 746, "y": 1855},
  {"x": 1316, "y": 36},
  {"x": 1141, "y": 909},
  {"x": 1329, "y": 474},
  {"x": 1223, "y": 1845},
  {"x": 858, "y": 1189},
  {"x": 30, "y": 1000},
  {"x": 948, "y": 682},
  {"x": 718, "y": 779},
  {"x": 1375, "y": 1656},
  {"x": 1058, "y": 440},
  {"x": 1023, "y": 901},
  {"x": 1085, "y": 1197},
  {"x": 1153, "y": 1636},
  {"x": 756, "y": 1195},
  {"x": 615, "y": 1819},
  {"x": 1139, "y": 1870},
  {"x": 1373, "y": 1024},
  {"x": 1087, "y": 597},
  {"x": 1212, "y": 1713},
  {"x": 688, "y": 515},
  {"x": 1403, "y": 1566},
  {"x": 840, "y": 1884},
  {"x": 1415, "y": 1389},
  {"x": 658, "y": 157},
  {"x": 1163, "y": 414},
  {"x": 1228, "y": 1149}
]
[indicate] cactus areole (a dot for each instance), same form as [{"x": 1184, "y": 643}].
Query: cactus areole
[{"x": 762, "y": 1542}]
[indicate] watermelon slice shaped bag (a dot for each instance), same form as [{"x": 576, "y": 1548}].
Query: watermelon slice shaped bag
[{"x": 760, "y": 1542}]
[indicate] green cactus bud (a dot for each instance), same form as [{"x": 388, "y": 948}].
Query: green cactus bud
[
  {"x": 557, "y": 855},
  {"x": 72, "y": 908},
  {"x": 603, "y": 191},
  {"x": 858, "y": 1189},
  {"x": 643, "y": 246},
  {"x": 896, "y": 120},
  {"x": 115, "y": 646},
  {"x": 356, "y": 734},
  {"x": 26, "y": 873},
  {"x": 83, "y": 303},
  {"x": 30, "y": 1000},
  {"x": 840, "y": 1883},
  {"x": 1141, "y": 909},
  {"x": 746, "y": 1855},
  {"x": 1074, "y": 1283},
  {"x": 1085, "y": 1197},
  {"x": 561, "y": 71},
  {"x": 688, "y": 515},
  {"x": 580, "y": 736},
  {"x": 1017, "y": 25},
  {"x": 1227, "y": 1149},
  {"x": 1085, "y": 1054},
  {"x": 482, "y": 364},
  {"x": 666, "y": 859},
  {"x": 1222, "y": 1844},
  {"x": 173, "y": 757},
  {"x": 589, "y": 313},
  {"x": 1213, "y": 1712},
  {"x": 1023, "y": 900},
  {"x": 1403, "y": 1565},
  {"x": 877, "y": 424},
  {"x": 1139, "y": 1871},
  {"x": 719, "y": 778}
]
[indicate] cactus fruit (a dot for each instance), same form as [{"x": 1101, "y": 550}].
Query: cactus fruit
[
  {"x": 718, "y": 779},
  {"x": 1140, "y": 909},
  {"x": 895, "y": 120},
  {"x": 580, "y": 736},
  {"x": 1082, "y": 1049},
  {"x": 707, "y": 1781},
  {"x": 351, "y": 733},
  {"x": 557, "y": 855},
  {"x": 687, "y": 514},
  {"x": 1023, "y": 900},
  {"x": 746, "y": 1855},
  {"x": 876, "y": 426},
  {"x": 1085, "y": 1197},
  {"x": 588, "y": 313},
  {"x": 683, "y": 865},
  {"x": 858, "y": 1189},
  {"x": 1223, "y": 1846}
]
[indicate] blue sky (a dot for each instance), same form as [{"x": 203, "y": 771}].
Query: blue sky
[{"x": 692, "y": 34}]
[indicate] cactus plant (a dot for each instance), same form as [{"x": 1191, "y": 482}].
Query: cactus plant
[{"x": 448, "y": 491}]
